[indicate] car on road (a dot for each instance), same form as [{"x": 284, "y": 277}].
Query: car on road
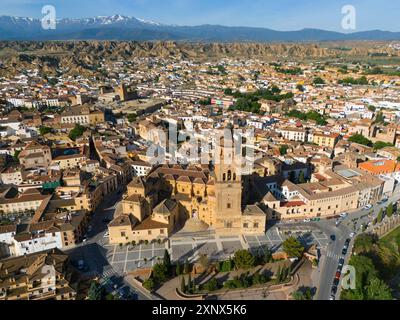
[
  {"x": 106, "y": 235},
  {"x": 368, "y": 207},
  {"x": 84, "y": 239},
  {"x": 344, "y": 251},
  {"x": 337, "y": 275},
  {"x": 334, "y": 290},
  {"x": 332, "y": 298},
  {"x": 339, "y": 268},
  {"x": 341, "y": 262},
  {"x": 338, "y": 222},
  {"x": 347, "y": 242},
  {"x": 336, "y": 282},
  {"x": 344, "y": 215},
  {"x": 333, "y": 237},
  {"x": 307, "y": 220},
  {"x": 352, "y": 235}
]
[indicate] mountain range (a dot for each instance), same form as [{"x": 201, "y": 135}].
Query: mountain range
[{"x": 119, "y": 27}]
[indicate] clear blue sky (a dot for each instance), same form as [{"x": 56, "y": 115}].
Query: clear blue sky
[{"x": 275, "y": 14}]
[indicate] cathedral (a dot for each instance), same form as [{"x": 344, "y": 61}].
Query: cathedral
[{"x": 174, "y": 197}]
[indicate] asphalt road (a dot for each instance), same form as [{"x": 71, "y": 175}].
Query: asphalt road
[
  {"x": 352, "y": 223},
  {"x": 93, "y": 253}
]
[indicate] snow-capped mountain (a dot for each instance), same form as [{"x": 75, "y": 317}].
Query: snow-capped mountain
[{"x": 120, "y": 27}]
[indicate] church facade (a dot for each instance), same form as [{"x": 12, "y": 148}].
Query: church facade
[{"x": 211, "y": 197}]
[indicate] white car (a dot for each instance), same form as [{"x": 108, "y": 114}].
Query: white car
[
  {"x": 307, "y": 220},
  {"x": 106, "y": 235},
  {"x": 352, "y": 235},
  {"x": 344, "y": 215},
  {"x": 367, "y": 207}
]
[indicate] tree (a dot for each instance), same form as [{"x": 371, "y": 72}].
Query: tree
[
  {"x": 167, "y": 260},
  {"x": 267, "y": 255},
  {"x": 149, "y": 284},
  {"x": 283, "y": 150},
  {"x": 378, "y": 290},
  {"x": 183, "y": 284},
  {"x": 360, "y": 139},
  {"x": 132, "y": 117},
  {"x": 293, "y": 247},
  {"x": 16, "y": 155},
  {"x": 226, "y": 266},
  {"x": 380, "y": 118},
  {"x": 303, "y": 293},
  {"x": 160, "y": 272},
  {"x": 178, "y": 269},
  {"x": 228, "y": 91},
  {"x": 302, "y": 178},
  {"x": 45, "y": 130},
  {"x": 380, "y": 216},
  {"x": 96, "y": 291},
  {"x": 380, "y": 145},
  {"x": 318, "y": 81},
  {"x": 76, "y": 132},
  {"x": 244, "y": 259},
  {"x": 389, "y": 210},
  {"x": 211, "y": 285},
  {"x": 186, "y": 267}
]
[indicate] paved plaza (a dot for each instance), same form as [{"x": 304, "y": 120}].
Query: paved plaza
[{"x": 191, "y": 246}]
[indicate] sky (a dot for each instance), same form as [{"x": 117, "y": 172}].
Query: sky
[{"x": 275, "y": 14}]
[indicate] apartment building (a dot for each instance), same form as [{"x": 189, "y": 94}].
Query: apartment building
[
  {"x": 293, "y": 134},
  {"x": 14, "y": 202},
  {"x": 46, "y": 275},
  {"x": 326, "y": 140},
  {"x": 35, "y": 155}
]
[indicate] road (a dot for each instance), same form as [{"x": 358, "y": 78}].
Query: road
[
  {"x": 352, "y": 223},
  {"x": 93, "y": 253}
]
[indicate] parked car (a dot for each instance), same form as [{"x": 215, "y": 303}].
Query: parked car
[
  {"x": 341, "y": 262},
  {"x": 307, "y": 220},
  {"x": 333, "y": 237},
  {"x": 344, "y": 251},
  {"x": 344, "y": 215},
  {"x": 332, "y": 298},
  {"x": 336, "y": 282},
  {"x": 106, "y": 235},
  {"x": 334, "y": 290},
  {"x": 368, "y": 207},
  {"x": 337, "y": 275},
  {"x": 352, "y": 235}
]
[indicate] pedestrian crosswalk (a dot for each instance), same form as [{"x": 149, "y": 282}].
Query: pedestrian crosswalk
[{"x": 333, "y": 255}]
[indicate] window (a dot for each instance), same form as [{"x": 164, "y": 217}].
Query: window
[
  {"x": 256, "y": 225},
  {"x": 149, "y": 232},
  {"x": 228, "y": 206},
  {"x": 229, "y": 175},
  {"x": 161, "y": 231},
  {"x": 123, "y": 234},
  {"x": 245, "y": 225}
]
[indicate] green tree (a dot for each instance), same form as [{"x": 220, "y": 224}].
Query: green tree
[
  {"x": 44, "y": 130},
  {"x": 380, "y": 216},
  {"x": 379, "y": 118},
  {"x": 167, "y": 260},
  {"x": 132, "y": 117},
  {"x": 178, "y": 269},
  {"x": 211, "y": 285},
  {"x": 283, "y": 150},
  {"x": 76, "y": 132},
  {"x": 160, "y": 272},
  {"x": 389, "y": 210},
  {"x": 318, "y": 81},
  {"x": 149, "y": 284},
  {"x": 302, "y": 178},
  {"x": 293, "y": 247},
  {"x": 360, "y": 139},
  {"x": 244, "y": 260},
  {"x": 378, "y": 290},
  {"x": 96, "y": 291},
  {"x": 183, "y": 284},
  {"x": 380, "y": 145},
  {"x": 186, "y": 267},
  {"x": 303, "y": 293}
]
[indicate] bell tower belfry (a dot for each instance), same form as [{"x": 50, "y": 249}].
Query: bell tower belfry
[{"x": 228, "y": 188}]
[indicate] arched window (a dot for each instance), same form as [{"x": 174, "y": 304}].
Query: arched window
[
  {"x": 234, "y": 177},
  {"x": 229, "y": 175},
  {"x": 224, "y": 177}
]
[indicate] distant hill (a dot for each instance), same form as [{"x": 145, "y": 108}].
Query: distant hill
[{"x": 118, "y": 27}]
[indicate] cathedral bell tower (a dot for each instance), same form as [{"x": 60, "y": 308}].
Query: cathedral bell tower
[{"x": 228, "y": 188}]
